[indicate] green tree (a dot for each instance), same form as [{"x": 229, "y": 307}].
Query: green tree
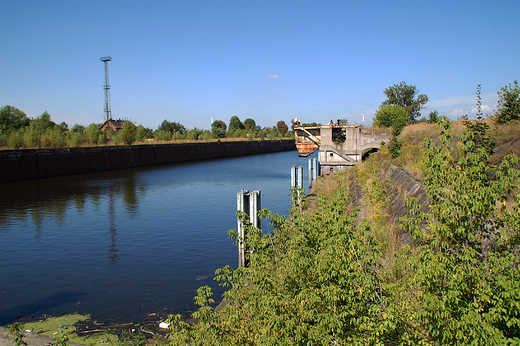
[
  {"x": 143, "y": 133},
  {"x": 162, "y": 135},
  {"x": 42, "y": 123},
  {"x": 63, "y": 126},
  {"x": 15, "y": 140},
  {"x": 195, "y": 133},
  {"x": 75, "y": 138},
  {"x": 34, "y": 133},
  {"x": 391, "y": 116},
  {"x": 235, "y": 124},
  {"x": 282, "y": 127},
  {"x": 78, "y": 128},
  {"x": 218, "y": 129},
  {"x": 93, "y": 134},
  {"x": 433, "y": 117},
  {"x": 406, "y": 96},
  {"x": 172, "y": 127},
  {"x": 508, "y": 103},
  {"x": 128, "y": 133},
  {"x": 250, "y": 124},
  {"x": 12, "y": 118},
  {"x": 53, "y": 138}
]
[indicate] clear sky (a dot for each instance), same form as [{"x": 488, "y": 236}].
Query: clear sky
[{"x": 266, "y": 60}]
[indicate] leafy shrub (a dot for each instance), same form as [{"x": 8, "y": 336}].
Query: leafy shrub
[
  {"x": 142, "y": 133},
  {"x": 53, "y": 138},
  {"x": 16, "y": 139},
  {"x": 162, "y": 135},
  {"x": 395, "y": 147},
  {"x": 75, "y": 139},
  {"x": 128, "y": 134},
  {"x": 465, "y": 271},
  {"x": 205, "y": 136},
  {"x": 391, "y": 116},
  {"x": 508, "y": 103},
  {"x": 93, "y": 134},
  {"x": 219, "y": 132},
  {"x": 32, "y": 136}
]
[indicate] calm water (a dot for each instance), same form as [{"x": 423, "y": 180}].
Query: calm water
[{"x": 122, "y": 244}]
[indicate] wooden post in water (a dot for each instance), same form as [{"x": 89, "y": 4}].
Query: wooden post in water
[{"x": 249, "y": 203}]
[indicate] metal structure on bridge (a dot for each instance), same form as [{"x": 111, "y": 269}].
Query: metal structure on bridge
[{"x": 340, "y": 146}]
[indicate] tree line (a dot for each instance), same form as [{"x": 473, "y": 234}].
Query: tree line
[{"x": 19, "y": 131}]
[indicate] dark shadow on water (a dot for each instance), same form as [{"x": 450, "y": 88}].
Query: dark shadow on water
[{"x": 37, "y": 307}]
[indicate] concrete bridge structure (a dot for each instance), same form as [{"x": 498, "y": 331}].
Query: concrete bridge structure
[{"x": 340, "y": 146}]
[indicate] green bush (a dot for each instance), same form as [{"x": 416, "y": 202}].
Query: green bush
[
  {"x": 162, "y": 135},
  {"x": 219, "y": 132},
  {"x": 508, "y": 103},
  {"x": 75, "y": 139},
  {"x": 206, "y": 136},
  {"x": 16, "y": 139},
  {"x": 391, "y": 116},
  {"x": 93, "y": 134},
  {"x": 32, "y": 137},
  {"x": 143, "y": 133},
  {"x": 128, "y": 134},
  {"x": 194, "y": 134},
  {"x": 3, "y": 139},
  {"x": 53, "y": 138},
  {"x": 395, "y": 147}
]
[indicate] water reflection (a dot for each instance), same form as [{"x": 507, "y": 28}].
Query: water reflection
[
  {"x": 112, "y": 249},
  {"x": 35, "y": 201}
]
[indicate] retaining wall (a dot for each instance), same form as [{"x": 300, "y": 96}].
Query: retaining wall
[{"x": 27, "y": 164}]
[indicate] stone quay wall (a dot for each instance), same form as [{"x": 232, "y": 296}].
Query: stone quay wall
[{"x": 25, "y": 164}]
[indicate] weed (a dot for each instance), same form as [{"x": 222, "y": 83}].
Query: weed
[{"x": 14, "y": 331}]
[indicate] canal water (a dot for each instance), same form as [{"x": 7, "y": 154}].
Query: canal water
[{"x": 123, "y": 244}]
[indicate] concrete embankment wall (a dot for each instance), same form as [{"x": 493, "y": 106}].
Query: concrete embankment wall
[{"x": 27, "y": 164}]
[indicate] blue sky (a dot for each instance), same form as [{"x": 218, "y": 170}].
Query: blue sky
[{"x": 266, "y": 60}]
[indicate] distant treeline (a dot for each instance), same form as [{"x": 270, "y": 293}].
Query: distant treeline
[{"x": 18, "y": 131}]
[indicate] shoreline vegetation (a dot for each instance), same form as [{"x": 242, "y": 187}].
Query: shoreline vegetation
[
  {"x": 352, "y": 266},
  {"x": 154, "y": 142},
  {"x": 351, "y": 271},
  {"x": 17, "y": 131}
]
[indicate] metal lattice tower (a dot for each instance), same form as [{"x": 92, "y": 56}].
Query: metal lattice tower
[{"x": 107, "y": 111}]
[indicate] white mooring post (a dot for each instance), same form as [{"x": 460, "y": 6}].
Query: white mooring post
[
  {"x": 249, "y": 203},
  {"x": 315, "y": 170},
  {"x": 300, "y": 177},
  {"x": 297, "y": 179},
  {"x": 293, "y": 176},
  {"x": 311, "y": 174}
]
